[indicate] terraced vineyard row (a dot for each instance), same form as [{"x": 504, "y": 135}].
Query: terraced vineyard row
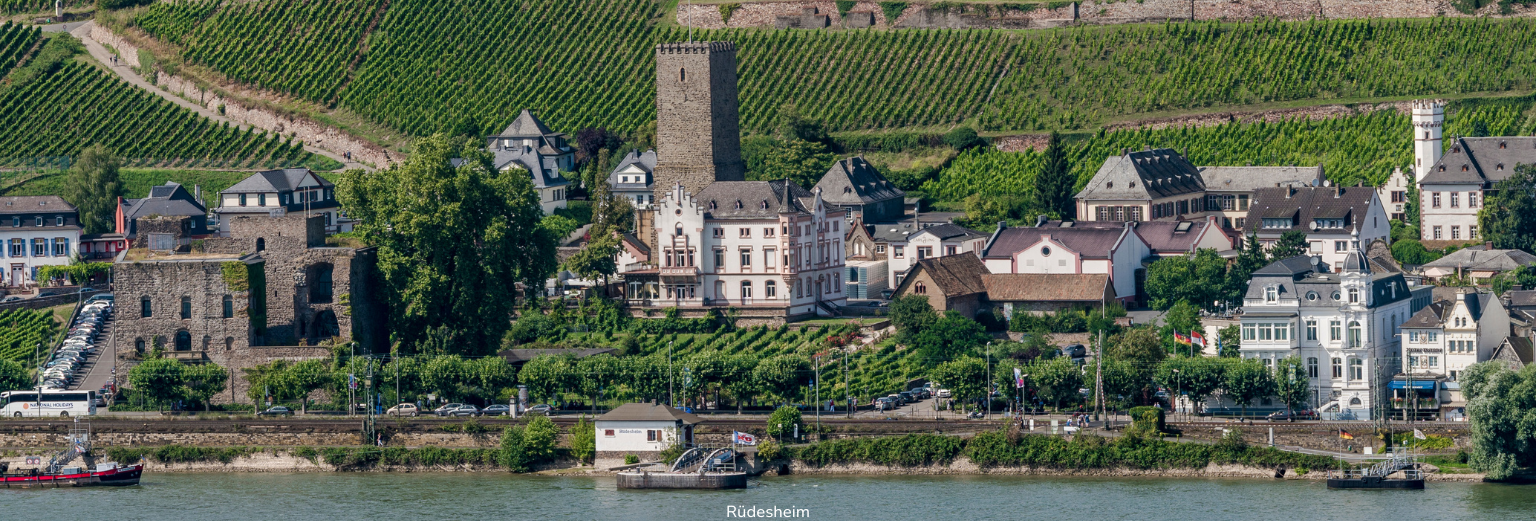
[
  {"x": 432, "y": 65},
  {"x": 22, "y": 330},
  {"x": 10, "y": 7},
  {"x": 15, "y": 41}
]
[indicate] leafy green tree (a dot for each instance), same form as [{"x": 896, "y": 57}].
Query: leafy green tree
[
  {"x": 1411, "y": 206},
  {"x": 1249, "y": 260},
  {"x": 798, "y": 160},
  {"x": 13, "y": 376},
  {"x": 1525, "y": 276},
  {"x": 948, "y": 338},
  {"x": 559, "y": 226},
  {"x": 159, "y": 379},
  {"x": 1291, "y": 383},
  {"x": 598, "y": 260},
  {"x": 1054, "y": 185},
  {"x": 451, "y": 241},
  {"x": 910, "y": 314},
  {"x": 599, "y": 375},
  {"x": 783, "y": 421},
  {"x": 514, "y": 455},
  {"x": 546, "y": 376},
  {"x": 306, "y": 377},
  {"x": 583, "y": 440},
  {"x": 1508, "y": 216},
  {"x": 782, "y": 376},
  {"x": 1121, "y": 378},
  {"x": 1291, "y": 244},
  {"x": 966, "y": 378},
  {"x": 1196, "y": 377},
  {"x": 540, "y": 438},
  {"x": 646, "y": 376},
  {"x": 737, "y": 378},
  {"x": 1056, "y": 380},
  {"x": 200, "y": 382},
  {"x": 93, "y": 186},
  {"x": 1499, "y": 405},
  {"x": 1246, "y": 380}
]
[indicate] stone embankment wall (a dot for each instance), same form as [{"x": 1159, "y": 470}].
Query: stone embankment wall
[
  {"x": 1323, "y": 436},
  {"x": 818, "y": 14},
  {"x": 314, "y": 135}
]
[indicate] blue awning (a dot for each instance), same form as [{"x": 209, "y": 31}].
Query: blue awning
[{"x": 1423, "y": 385}]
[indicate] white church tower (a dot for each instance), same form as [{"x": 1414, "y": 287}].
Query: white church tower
[{"x": 1428, "y": 121}]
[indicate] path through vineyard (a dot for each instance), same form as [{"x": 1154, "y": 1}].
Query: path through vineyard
[{"x": 101, "y": 54}]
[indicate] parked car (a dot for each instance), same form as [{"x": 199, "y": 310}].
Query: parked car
[
  {"x": 12, "y": 298},
  {"x": 542, "y": 408},
  {"x": 404, "y": 409},
  {"x": 465, "y": 410},
  {"x": 883, "y": 404},
  {"x": 942, "y": 393},
  {"x": 276, "y": 410},
  {"x": 444, "y": 410},
  {"x": 499, "y": 409},
  {"x": 1292, "y": 415}
]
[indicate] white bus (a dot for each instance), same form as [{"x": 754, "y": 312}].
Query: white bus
[{"x": 47, "y": 403}]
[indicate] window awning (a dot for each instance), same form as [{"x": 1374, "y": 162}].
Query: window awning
[{"x": 1423, "y": 385}]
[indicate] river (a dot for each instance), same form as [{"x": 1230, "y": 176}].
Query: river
[{"x": 411, "y": 496}]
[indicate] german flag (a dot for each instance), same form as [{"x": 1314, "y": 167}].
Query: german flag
[{"x": 1345, "y": 435}]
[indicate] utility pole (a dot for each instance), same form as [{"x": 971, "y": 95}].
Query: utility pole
[
  {"x": 672, "y": 402},
  {"x": 987, "y": 389},
  {"x": 816, "y": 386},
  {"x": 847, "y": 393},
  {"x": 1099, "y": 381}
]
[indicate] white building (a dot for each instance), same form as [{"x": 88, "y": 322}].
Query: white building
[
  {"x": 41, "y": 230},
  {"x": 641, "y": 429},
  {"x": 633, "y": 178},
  {"x": 1394, "y": 195},
  {"x": 1441, "y": 341},
  {"x": 1336, "y": 220},
  {"x": 1066, "y": 248},
  {"x": 292, "y": 190},
  {"x": 1453, "y": 185},
  {"x": 1342, "y": 325},
  {"x": 938, "y": 240},
  {"x": 763, "y": 245}
]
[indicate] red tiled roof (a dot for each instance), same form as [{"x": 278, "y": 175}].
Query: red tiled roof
[{"x": 1050, "y": 287}]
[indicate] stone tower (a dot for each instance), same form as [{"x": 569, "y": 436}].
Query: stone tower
[
  {"x": 1428, "y": 120},
  {"x": 698, "y": 130}
]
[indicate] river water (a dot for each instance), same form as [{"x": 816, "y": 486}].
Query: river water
[{"x": 411, "y": 496}]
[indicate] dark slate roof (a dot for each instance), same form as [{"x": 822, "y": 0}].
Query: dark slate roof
[
  {"x": 274, "y": 181},
  {"x": 1490, "y": 260},
  {"x": 1481, "y": 160},
  {"x": 1171, "y": 235},
  {"x": 1047, "y": 287},
  {"x": 526, "y": 126},
  {"x": 949, "y": 231},
  {"x": 1524, "y": 298},
  {"x": 647, "y": 412},
  {"x": 169, "y": 199},
  {"x": 645, "y": 161},
  {"x": 1297, "y": 277},
  {"x": 956, "y": 275},
  {"x": 1432, "y": 316},
  {"x": 1148, "y": 174},
  {"x": 854, "y": 181},
  {"x": 544, "y": 168},
  {"x": 899, "y": 231},
  {"x": 1089, "y": 243},
  {"x": 29, "y": 204},
  {"x": 759, "y": 199},
  {"x": 1250, "y": 178},
  {"x": 1514, "y": 347},
  {"x": 1292, "y": 266},
  {"x": 635, "y": 242},
  {"x": 1303, "y": 205}
]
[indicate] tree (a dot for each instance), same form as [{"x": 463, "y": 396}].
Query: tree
[
  {"x": 1184, "y": 319},
  {"x": 159, "y": 379},
  {"x": 513, "y": 454},
  {"x": 1144, "y": 349},
  {"x": 1411, "y": 206},
  {"x": 305, "y": 377},
  {"x": 598, "y": 374},
  {"x": 1249, "y": 260},
  {"x": 1199, "y": 279},
  {"x": 202, "y": 381},
  {"x": 540, "y": 439},
  {"x": 737, "y": 378},
  {"x": 592, "y": 139},
  {"x": 962, "y": 138},
  {"x": 1291, "y": 244},
  {"x": 1246, "y": 380},
  {"x": 583, "y": 440},
  {"x": 798, "y": 160},
  {"x": 13, "y": 376},
  {"x": 966, "y": 378},
  {"x": 451, "y": 241},
  {"x": 948, "y": 338},
  {"x": 93, "y": 187},
  {"x": 1053, "y": 188},
  {"x": 782, "y": 376},
  {"x": 1228, "y": 340},
  {"x": 1508, "y": 216},
  {"x": 910, "y": 314},
  {"x": 546, "y": 376},
  {"x": 611, "y": 213},
  {"x": 1525, "y": 276},
  {"x": 1499, "y": 401},
  {"x": 1056, "y": 380},
  {"x": 1291, "y": 383},
  {"x": 783, "y": 421},
  {"x": 598, "y": 260},
  {"x": 1195, "y": 377}
]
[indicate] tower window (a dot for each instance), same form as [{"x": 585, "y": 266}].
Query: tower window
[{"x": 682, "y": 75}]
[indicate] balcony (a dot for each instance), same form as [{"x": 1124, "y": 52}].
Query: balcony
[{"x": 678, "y": 274}]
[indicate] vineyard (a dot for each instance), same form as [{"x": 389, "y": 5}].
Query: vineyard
[
  {"x": 1365, "y": 147},
  {"x": 431, "y": 65},
  {"x": 11, "y": 7},
  {"x": 21, "y": 330},
  {"x": 15, "y": 41},
  {"x": 54, "y": 106}
]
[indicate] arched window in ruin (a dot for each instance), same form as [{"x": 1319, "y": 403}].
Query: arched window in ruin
[
  {"x": 261, "y": 244},
  {"x": 183, "y": 341},
  {"x": 320, "y": 286}
]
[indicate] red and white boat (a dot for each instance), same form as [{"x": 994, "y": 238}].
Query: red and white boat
[{"x": 59, "y": 473}]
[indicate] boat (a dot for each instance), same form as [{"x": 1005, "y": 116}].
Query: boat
[
  {"x": 702, "y": 468},
  {"x": 60, "y": 473},
  {"x": 1381, "y": 476}
]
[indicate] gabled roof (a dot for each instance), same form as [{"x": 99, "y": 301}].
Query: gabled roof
[
  {"x": 170, "y": 199},
  {"x": 1432, "y": 316},
  {"x": 1481, "y": 160},
  {"x": 635, "y": 160},
  {"x": 854, "y": 181},
  {"x": 758, "y": 199},
  {"x": 1148, "y": 174},
  {"x": 956, "y": 275},
  {"x": 1304, "y": 205},
  {"x": 1523, "y": 298},
  {"x": 1250, "y": 178},
  {"x": 647, "y": 412},
  {"x": 544, "y": 168},
  {"x": 275, "y": 181},
  {"x": 28, "y": 204},
  {"x": 1088, "y": 243},
  {"x": 1173, "y": 236},
  {"x": 1514, "y": 348},
  {"x": 947, "y": 231},
  {"x": 1046, "y": 287},
  {"x": 1291, "y": 266},
  {"x": 526, "y": 126},
  {"x": 1484, "y": 260}
]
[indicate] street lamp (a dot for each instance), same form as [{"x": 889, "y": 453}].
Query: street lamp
[
  {"x": 987, "y": 389},
  {"x": 1178, "y": 389}
]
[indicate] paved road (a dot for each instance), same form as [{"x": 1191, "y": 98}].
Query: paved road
[{"x": 82, "y": 30}]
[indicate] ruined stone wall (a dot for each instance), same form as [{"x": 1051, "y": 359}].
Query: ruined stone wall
[
  {"x": 165, "y": 284},
  {"x": 698, "y": 130},
  {"x": 178, "y": 227},
  {"x": 999, "y": 16}
]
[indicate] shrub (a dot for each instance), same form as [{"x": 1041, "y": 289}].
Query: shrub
[
  {"x": 583, "y": 441},
  {"x": 539, "y": 439},
  {"x": 1147, "y": 421},
  {"x": 513, "y": 456},
  {"x": 910, "y": 450},
  {"x": 631, "y": 459},
  {"x": 783, "y": 421}
]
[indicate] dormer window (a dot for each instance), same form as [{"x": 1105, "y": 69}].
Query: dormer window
[
  {"x": 738, "y": 204},
  {"x": 847, "y": 189},
  {"x": 712, "y": 205},
  {"x": 764, "y": 205},
  {"x": 59, "y": 220},
  {"x": 1502, "y": 145},
  {"x": 1463, "y": 168},
  {"x": 1271, "y": 294},
  {"x": 1500, "y": 166},
  {"x": 39, "y": 220},
  {"x": 1442, "y": 168}
]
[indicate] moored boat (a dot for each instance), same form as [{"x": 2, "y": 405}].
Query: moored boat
[{"x": 59, "y": 473}]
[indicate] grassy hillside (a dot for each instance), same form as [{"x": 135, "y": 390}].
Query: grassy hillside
[{"x": 431, "y": 65}]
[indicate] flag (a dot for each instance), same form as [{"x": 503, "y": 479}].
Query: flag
[
  {"x": 1196, "y": 338},
  {"x": 1018, "y": 378},
  {"x": 1180, "y": 338},
  {"x": 1419, "y": 434},
  {"x": 1345, "y": 435},
  {"x": 742, "y": 438}
]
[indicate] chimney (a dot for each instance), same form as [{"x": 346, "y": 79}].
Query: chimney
[
  {"x": 1039, "y": 220},
  {"x": 197, "y": 192},
  {"x": 1338, "y": 192}
]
